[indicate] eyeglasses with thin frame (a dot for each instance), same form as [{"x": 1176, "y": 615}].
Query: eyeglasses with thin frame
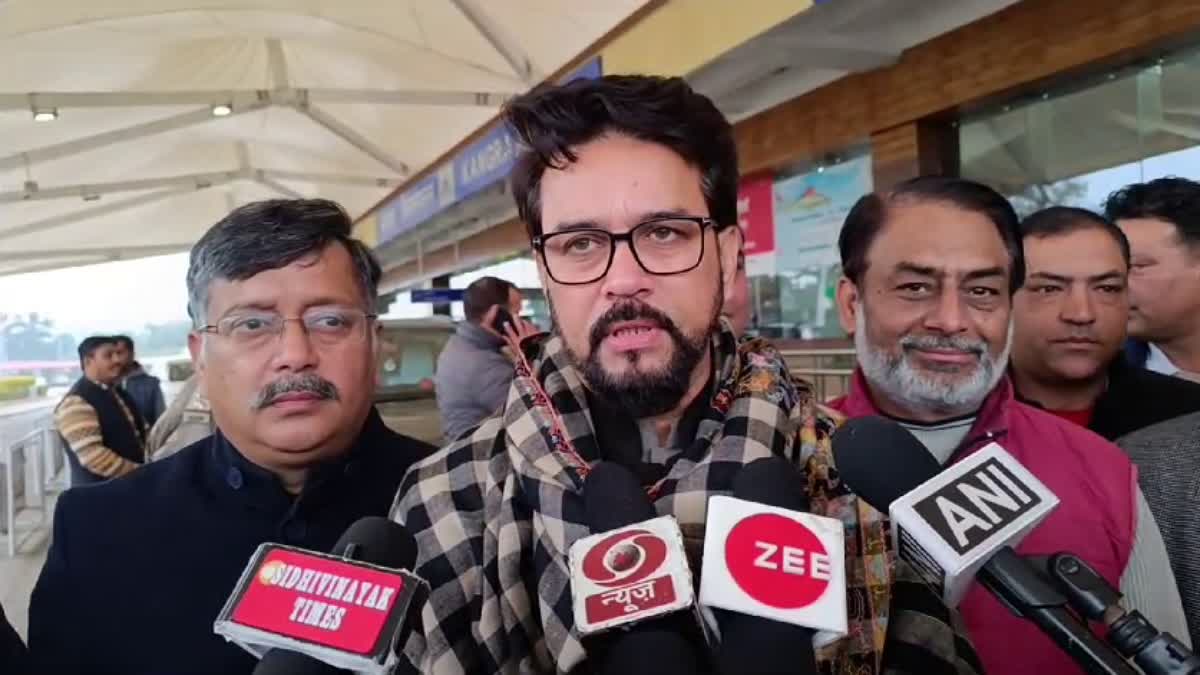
[
  {"x": 661, "y": 246},
  {"x": 325, "y": 326}
]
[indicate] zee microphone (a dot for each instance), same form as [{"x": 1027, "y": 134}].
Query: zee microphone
[
  {"x": 750, "y": 643},
  {"x": 336, "y": 612},
  {"x": 628, "y": 580},
  {"x": 960, "y": 523}
]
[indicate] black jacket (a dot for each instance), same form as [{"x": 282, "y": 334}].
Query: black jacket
[
  {"x": 13, "y": 659},
  {"x": 138, "y": 596},
  {"x": 1136, "y": 398},
  {"x": 128, "y": 441},
  {"x": 146, "y": 392}
]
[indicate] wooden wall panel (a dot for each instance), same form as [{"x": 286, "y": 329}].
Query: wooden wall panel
[{"x": 1019, "y": 47}]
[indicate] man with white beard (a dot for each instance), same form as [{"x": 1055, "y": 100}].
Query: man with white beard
[{"x": 929, "y": 270}]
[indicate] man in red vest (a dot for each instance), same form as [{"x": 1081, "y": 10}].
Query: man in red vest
[{"x": 929, "y": 272}]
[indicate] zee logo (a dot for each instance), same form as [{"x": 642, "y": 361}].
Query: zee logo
[{"x": 778, "y": 561}]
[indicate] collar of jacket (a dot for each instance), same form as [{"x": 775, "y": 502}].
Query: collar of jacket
[
  {"x": 231, "y": 475},
  {"x": 477, "y": 336},
  {"x": 991, "y": 423}
]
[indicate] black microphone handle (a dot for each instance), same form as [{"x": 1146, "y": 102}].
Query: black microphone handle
[{"x": 1016, "y": 584}]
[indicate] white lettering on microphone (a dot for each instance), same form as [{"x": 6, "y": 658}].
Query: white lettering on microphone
[{"x": 793, "y": 561}]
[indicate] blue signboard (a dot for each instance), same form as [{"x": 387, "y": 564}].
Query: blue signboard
[
  {"x": 478, "y": 166},
  {"x": 438, "y": 296},
  {"x": 485, "y": 162}
]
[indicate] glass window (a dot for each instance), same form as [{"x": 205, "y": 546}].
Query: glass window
[
  {"x": 1077, "y": 146},
  {"x": 792, "y": 295}
]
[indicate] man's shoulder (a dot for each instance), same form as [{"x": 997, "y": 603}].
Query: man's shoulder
[
  {"x": 460, "y": 469},
  {"x": 1032, "y": 425},
  {"x": 400, "y": 450},
  {"x": 1178, "y": 432},
  {"x": 155, "y": 488}
]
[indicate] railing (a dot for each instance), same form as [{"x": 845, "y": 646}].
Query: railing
[
  {"x": 828, "y": 370},
  {"x": 30, "y": 461}
]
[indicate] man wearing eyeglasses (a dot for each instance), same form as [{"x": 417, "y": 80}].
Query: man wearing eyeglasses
[
  {"x": 284, "y": 348},
  {"x": 628, "y": 188}
]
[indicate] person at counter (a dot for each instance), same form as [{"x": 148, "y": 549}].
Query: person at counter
[{"x": 284, "y": 348}]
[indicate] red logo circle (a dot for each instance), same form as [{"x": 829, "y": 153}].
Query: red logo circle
[
  {"x": 624, "y": 558},
  {"x": 777, "y": 561}
]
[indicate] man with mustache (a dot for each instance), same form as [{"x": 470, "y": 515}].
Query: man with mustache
[
  {"x": 284, "y": 347},
  {"x": 1069, "y": 324},
  {"x": 628, "y": 188},
  {"x": 929, "y": 273}
]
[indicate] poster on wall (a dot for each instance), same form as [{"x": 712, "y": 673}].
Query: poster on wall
[
  {"x": 756, "y": 218},
  {"x": 809, "y": 211}
]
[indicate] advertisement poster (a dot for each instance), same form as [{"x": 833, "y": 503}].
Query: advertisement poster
[
  {"x": 756, "y": 218},
  {"x": 809, "y": 211}
]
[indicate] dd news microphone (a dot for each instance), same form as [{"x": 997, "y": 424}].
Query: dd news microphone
[
  {"x": 778, "y": 558},
  {"x": 954, "y": 524},
  {"x": 345, "y": 609},
  {"x": 629, "y": 578}
]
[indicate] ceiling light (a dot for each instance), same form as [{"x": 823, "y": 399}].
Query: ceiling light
[
  {"x": 45, "y": 114},
  {"x": 222, "y": 110}
]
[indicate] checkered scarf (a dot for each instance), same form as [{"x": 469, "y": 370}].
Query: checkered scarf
[{"x": 495, "y": 513}]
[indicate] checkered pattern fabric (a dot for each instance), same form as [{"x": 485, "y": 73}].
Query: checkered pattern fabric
[{"x": 495, "y": 513}]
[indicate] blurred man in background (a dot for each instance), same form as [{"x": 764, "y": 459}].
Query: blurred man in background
[
  {"x": 1069, "y": 323},
  {"x": 188, "y": 419},
  {"x": 284, "y": 347},
  {"x": 142, "y": 387},
  {"x": 473, "y": 372},
  {"x": 99, "y": 423},
  {"x": 1161, "y": 218}
]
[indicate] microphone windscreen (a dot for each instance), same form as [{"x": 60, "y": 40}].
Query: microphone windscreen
[
  {"x": 613, "y": 497},
  {"x": 651, "y": 651},
  {"x": 378, "y": 541},
  {"x": 772, "y": 481},
  {"x": 282, "y": 662},
  {"x": 880, "y": 460}
]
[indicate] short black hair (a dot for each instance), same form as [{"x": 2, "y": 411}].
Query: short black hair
[
  {"x": 552, "y": 120},
  {"x": 89, "y": 345},
  {"x": 869, "y": 213},
  {"x": 482, "y": 293},
  {"x": 1172, "y": 199},
  {"x": 1059, "y": 220},
  {"x": 124, "y": 340},
  {"x": 271, "y": 234}
]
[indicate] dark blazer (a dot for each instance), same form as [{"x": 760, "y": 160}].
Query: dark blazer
[
  {"x": 1168, "y": 459},
  {"x": 138, "y": 596},
  {"x": 1137, "y": 398},
  {"x": 13, "y": 658}
]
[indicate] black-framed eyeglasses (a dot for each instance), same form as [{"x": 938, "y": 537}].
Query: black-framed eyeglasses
[
  {"x": 323, "y": 325},
  {"x": 661, "y": 246}
]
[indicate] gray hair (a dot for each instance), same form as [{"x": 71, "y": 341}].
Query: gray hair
[{"x": 268, "y": 235}]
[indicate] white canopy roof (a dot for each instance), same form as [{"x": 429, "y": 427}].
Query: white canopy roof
[{"x": 334, "y": 98}]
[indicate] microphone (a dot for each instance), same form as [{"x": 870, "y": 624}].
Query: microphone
[
  {"x": 750, "y": 643},
  {"x": 958, "y": 524},
  {"x": 629, "y": 579},
  {"x": 1131, "y": 633},
  {"x": 328, "y": 612}
]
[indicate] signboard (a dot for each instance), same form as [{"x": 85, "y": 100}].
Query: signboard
[
  {"x": 809, "y": 211},
  {"x": 476, "y": 167},
  {"x": 756, "y": 218},
  {"x": 367, "y": 230},
  {"x": 438, "y": 296}
]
